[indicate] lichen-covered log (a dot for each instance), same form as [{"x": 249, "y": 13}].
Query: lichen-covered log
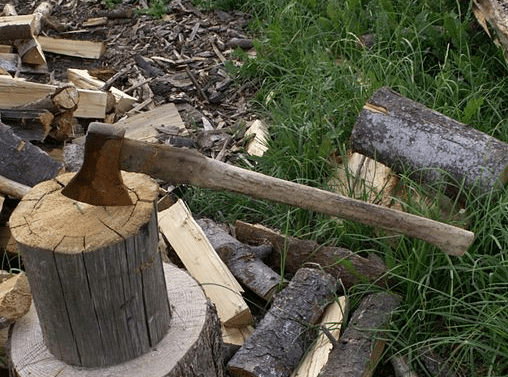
[
  {"x": 360, "y": 347},
  {"x": 242, "y": 260},
  {"x": 341, "y": 263},
  {"x": 281, "y": 338},
  {"x": 409, "y": 137}
]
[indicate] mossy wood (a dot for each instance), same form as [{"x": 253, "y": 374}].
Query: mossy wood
[
  {"x": 95, "y": 272},
  {"x": 337, "y": 261},
  {"x": 283, "y": 335},
  {"x": 409, "y": 137}
]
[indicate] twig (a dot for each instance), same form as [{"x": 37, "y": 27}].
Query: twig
[
  {"x": 330, "y": 337},
  {"x": 109, "y": 83},
  {"x": 196, "y": 84}
]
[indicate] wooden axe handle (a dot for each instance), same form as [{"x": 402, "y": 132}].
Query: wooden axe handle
[{"x": 186, "y": 166}]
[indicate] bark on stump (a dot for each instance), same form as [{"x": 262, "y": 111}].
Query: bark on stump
[
  {"x": 99, "y": 290},
  {"x": 280, "y": 340},
  {"x": 408, "y": 136}
]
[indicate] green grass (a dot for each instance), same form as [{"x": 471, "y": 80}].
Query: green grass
[{"x": 314, "y": 78}]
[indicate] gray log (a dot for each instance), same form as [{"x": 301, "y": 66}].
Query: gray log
[
  {"x": 242, "y": 260},
  {"x": 22, "y": 161},
  {"x": 360, "y": 347},
  {"x": 280, "y": 339},
  {"x": 409, "y": 137}
]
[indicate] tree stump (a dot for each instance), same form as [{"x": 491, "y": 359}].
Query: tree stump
[
  {"x": 99, "y": 290},
  {"x": 408, "y": 136}
]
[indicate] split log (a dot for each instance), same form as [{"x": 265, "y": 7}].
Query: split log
[
  {"x": 241, "y": 259},
  {"x": 101, "y": 296},
  {"x": 360, "y": 347},
  {"x": 19, "y": 93},
  {"x": 15, "y": 297},
  {"x": 409, "y": 137},
  {"x": 259, "y": 144},
  {"x": 143, "y": 126},
  {"x": 200, "y": 259},
  {"x": 72, "y": 47},
  {"x": 30, "y": 51},
  {"x": 191, "y": 348},
  {"x": 40, "y": 13},
  {"x": 339, "y": 262},
  {"x": 335, "y": 314},
  {"x": 280, "y": 339},
  {"x": 82, "y": 79},
  {"x": 28, "y": 124},
  {"x": 9, "y": 62},
  {"x": 494, "y": 14},
  {"x": 16, "y": 27},
  {"x": 22, "y": 161}
]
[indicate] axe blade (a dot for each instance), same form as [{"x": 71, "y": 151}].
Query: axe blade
[{"x": 99, "y": 181}]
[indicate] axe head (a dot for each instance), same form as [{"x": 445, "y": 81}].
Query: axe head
[{"x": 99, "y": 181}]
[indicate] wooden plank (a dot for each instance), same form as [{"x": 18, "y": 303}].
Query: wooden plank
[
  {"x": 72, "y": 47},
  {"x": 202, "y": 262},
  {"x": 16, "y": 27},
  {"x": 317, "y": 357},
  {"x": 16, "y": 92}
]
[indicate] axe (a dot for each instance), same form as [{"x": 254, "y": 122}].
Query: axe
[{"x": 99, "y": 182}]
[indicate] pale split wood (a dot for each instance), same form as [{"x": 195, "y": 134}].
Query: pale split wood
[
  {"x": 71, "y": 47},
  {"x": 236, "y": 336},
  {"x": 190, "y": 348},
  {"x": 259, "y": 143},
  {"x": 143, "y": 126},
  {"x": 82, "y": 79},
  {"x": 317, "y": 356},
  {"x": 200, "y": 259},
  {"x": 15, "y": 297},
  {"x": 92, "y": 103}
]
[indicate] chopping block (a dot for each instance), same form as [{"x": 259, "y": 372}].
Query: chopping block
[{"x": 104, "y": 303}]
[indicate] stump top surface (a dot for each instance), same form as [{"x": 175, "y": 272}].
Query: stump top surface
[{"x": 48, "y": 220}]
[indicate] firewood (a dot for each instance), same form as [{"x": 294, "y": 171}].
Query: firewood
[
  {"x": 42, "y": 11},
  {"x": 15, "y": 297},
  {"x": 12, "y": 188},
  {"x": 143, "y": 126},
  {"x": 10, "y": 62},
  {"x": 341, "y": 263},
  {"x": 258, "y": 145},
  {"x": 335, "y": 314},
  {"x": 242, "y": 260},
  {"x": 360, "y": 347},
  {"x": 82, "y": 79},
  {"x": 280, "y": 339},
  {"x": 200, "y": 259},
  {"x": 5, "y": 49},
  {"x": 409, "y": 137},
  {"x": 16, "y": 27},
  {"x": 18, "y": 93},
  {"x": 28, "y": 124},
  {"x": 30, "y": 51},
  {"x": 22, "y": 161},
  {"x": 71, "y": 47},
  {"x": 493, "y": 14}
]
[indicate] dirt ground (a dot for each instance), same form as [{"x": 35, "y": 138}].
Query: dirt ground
[{"x": 181, "y": 57}]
